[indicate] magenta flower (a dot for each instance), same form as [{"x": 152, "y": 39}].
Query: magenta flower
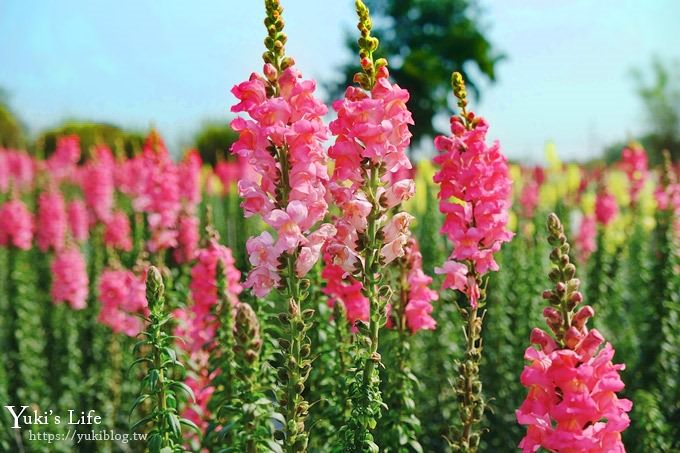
[
  {"x": 190, "y": 177},
  {"x": 344, "y": 289},
  {"x": 606, "y": 208},
  {"x": 16, "y": 225},
  {"x": 634, "y": 163},
  {"x": 78, "y": 222},
  {"x": 187, "y": 238},
  {"x": 117, "y": 232},
  {"x": 475, "y": 199},
  {"x": 51, "y": 221},
  {"x": 418, "y": 310},
  {"x": 62, "y": 163},
  {"x": 17, "y": 170},
  {"x": 282, "y": 146},
  {"x": 98, "y": 184},
  {"x": 69, "y": 278},
  {"x": 122, "y": 295},
  {"x": 585, "y": 240}
]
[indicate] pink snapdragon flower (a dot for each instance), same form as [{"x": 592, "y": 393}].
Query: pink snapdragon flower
[
  {"x": 197, "y": 323},
  {"x": 190, "y": 177},
  {"x": 69, "y": 278},
  {"x": 282, "y": 143},
  {"x": 98, "y": 184},
  {"x": 634, "y": 163},
  {"x": 606, "y": 208},
  {"x": 17, "y": 170},
  {"x": 159, "y": 194},
  {"x": 585, "y": 241},
  {"x": 51, "y": 221},
  {"x": 187, "y": 238},
  {"x": 475, "y": 199},
  {"x": 371, "y": 126},
  {"x": 529, "y": 198},
  {"x": 418, "y": 310},
  {"x": 117, "y": 231},
  {"x": 16, "y": 225},
  {"x": 572, "y": 404},
  {"x": 344, "y": 289},
  {"x": 62, "y": 163},
  {"x": 123, "y": 295},
  {"x": 78, "y": 223}
]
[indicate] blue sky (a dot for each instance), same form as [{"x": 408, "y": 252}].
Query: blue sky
[{"x": 171, "y": 63}]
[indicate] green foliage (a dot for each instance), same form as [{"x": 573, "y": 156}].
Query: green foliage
[
  {"x": 90, "y": 133},
  {"x": 213, "y": 141},
  {"x": 416, "y": 37},
  {"x": 11, "y": 130}
]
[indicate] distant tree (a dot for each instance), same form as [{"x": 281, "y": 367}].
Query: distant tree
[
  {"x": 122, "y": 142},
  {"x": 425, "y": 41},
  {"x": 213, "y": 141},
  {"x": 11, "y": 128},
  {"x": 659, "y": 91}
]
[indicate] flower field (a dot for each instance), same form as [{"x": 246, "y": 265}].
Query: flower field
[{"x": 321, "y": 291}]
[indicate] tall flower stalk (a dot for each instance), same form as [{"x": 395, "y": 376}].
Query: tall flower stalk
[
  {"x": 283, "y": 143},
  {"x": 572, "y": 403},
  {"x": 162, "y": 385},
  {"x": 369, "y": 179},
  {"x": 475, "y": 198}
]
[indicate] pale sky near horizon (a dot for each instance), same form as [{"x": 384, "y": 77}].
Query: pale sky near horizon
[{"x": 566, "y": 78}]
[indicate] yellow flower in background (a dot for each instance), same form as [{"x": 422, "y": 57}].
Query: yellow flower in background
[
  {"x": 512, "y": 221},
  {"x": 617, "y": 183},
  {"x": 615, "y": 233},
  {"x": 588, "y": 203},
  {"x": 548, "y": 196},
  {"x": 647, "y": 206},
  {"x": 573, "y": 177},
  {"x": 516, "y": 177},
  {"x": 551, "y": 156}
]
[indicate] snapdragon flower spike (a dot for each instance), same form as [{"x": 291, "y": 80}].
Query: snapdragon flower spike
[
  {"x": 418, "y": 310},
  {"x": 159, "y": 194},
  {"x": 634, "y": 163},
  {"x": 283, "y": 144},
  {"x": 69, "y": 278},
  {"x": 97, "y": 181},
  {"x": 17, "y": 170},
  {"x": 345, "y": 290},
  {"x": 123, "y": 296},
  {"x": 585, "y": 241},
  {"x": 62, "y": 163},
  {"x": 197, "y": 323},
  {"x": 606, "y": 208},
  {"x": 187, "y": 238},
  {"x": 16, "y": 225},
  {"x": 572, "y": 404},
  {"x": 474, "y": 195},
  {"x": 117, "y": 234},
  {"x": 78, "y": 222},
  {"x": 51, "y": 220}
]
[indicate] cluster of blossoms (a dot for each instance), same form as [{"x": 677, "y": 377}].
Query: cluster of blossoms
[
  {"x": 122, "y": 295},
  {"x": 344, "y": 289},
  {"x": 418, "y": 311},
  {"x": 69, "y": 278},
  {"x": 585, "y": 240},
  {"x": 78, "y": 222},
  {"x": 117, "y": 231},
  {"x": 282, "y": 143},
  {"x": 16, "y": 225},
  {"x": 197, "y": 322},
  {"x": 52, "y": 222},
  {"x": 159, "y": 195},
  {"x": 606, "y": 208},
  {"x": 371, "y": 137},
  {"x": 62, "y": 163},
  {"x": 634, "y": 163},
  {"x": 97, "y": 181},
  {"x": 571, "y": 405},
  {"x": 17, "y": 170},
  {"x": 475, "y": 199}
]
